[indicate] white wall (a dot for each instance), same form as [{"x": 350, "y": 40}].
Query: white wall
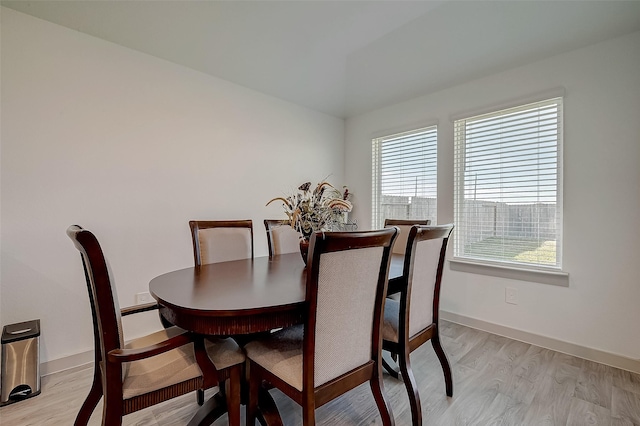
[
  {"x": 131, "y": 147},
  {"x": 601, "y": 307}
]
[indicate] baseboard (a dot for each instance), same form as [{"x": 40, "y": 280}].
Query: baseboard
[
  {"x": 80, "y": 360},
  {"x": 602, "y": 357},
  {"x": 85, "y": 359}
]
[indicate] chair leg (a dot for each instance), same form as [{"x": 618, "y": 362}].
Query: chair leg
[
  {"x": 200, "y": 396},
  {"x": 412, "y": 389},
  {"x": 444, "y": 362},
  {"x": 252, "y": 402},
  {"x": 233, "y": 395},
  {"x": 384, "y": 407},
  {"x": 111, "y": 416},
  {"x": 308, "y": 414},
  {"x": 90, "y": 403}
]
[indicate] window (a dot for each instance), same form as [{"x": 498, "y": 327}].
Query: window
[
  {"x": 507, "y": 196},
  {"x": 405, "y": 176}
]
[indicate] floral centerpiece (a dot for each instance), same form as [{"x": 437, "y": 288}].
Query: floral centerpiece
[{"x": 322, "y": 209}]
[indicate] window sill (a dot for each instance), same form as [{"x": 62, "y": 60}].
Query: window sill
[{"x": 558, "y": 278}]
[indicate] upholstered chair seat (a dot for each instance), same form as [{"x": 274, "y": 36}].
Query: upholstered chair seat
[
  {"x": 280, "y": 354},
  {"x": 173, "y": 367}
]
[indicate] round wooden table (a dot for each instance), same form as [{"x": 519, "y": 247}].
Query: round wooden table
[
  {"x": 231, "y": 298},
  {"x": 240, "y": 297}
]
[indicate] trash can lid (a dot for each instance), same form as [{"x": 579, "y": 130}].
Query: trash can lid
[{"x": 20, "y": 331}]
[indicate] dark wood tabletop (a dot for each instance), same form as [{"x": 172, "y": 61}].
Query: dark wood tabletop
[{"x": 239, "y": 297}]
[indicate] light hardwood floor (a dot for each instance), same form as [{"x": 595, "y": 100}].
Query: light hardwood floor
[{"x": 497, "y": 381}]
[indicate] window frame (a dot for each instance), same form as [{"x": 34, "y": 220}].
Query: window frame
[
  {"x": 376, "y": 176},
  {"x": 551, "y": 274}
]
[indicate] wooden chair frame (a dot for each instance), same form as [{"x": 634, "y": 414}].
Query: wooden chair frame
[
  {"x": 406, "y": 222},
  {"x": 405, "y": 344},
  {"x": 110, "y": 356},
  {"x": 312, "y": 397}
]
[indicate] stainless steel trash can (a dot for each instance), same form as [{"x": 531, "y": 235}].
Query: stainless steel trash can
[{"x": 20, "y": 366}]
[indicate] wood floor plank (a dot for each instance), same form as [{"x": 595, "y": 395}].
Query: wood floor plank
[
  {"x": 466, "y": 340},
  {"x": 534, "y": 363},
  {"x": 595, "y": 384},
  {"x": 626, "y": 380},
  {"x": 497, "y": 381},
  {"x": 513, "y": 350},
  {"x": 586, "y": 413},
  {"x": 508, "y": 411},
  {"x": 553, "y": 397},
  {"x": 469, "y": 409},
  {"x": 625, "y": 405},
  {"x": 482, "y": 352},
  {"x": 621, "y": 422}
]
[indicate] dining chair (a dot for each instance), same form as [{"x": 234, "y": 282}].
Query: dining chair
[
  {"x": 221, "y": 240},
  {"x": 404, "y": 225},
  {"x": 217, "y": 241},
  {"x": 413, "y": 320},
  {"x": 339, "y": 345},
  {"x": 281, "y": 237},
  {"x": 153, "y": 368}
]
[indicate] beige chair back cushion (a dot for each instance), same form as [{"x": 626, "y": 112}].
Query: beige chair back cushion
[
  {"x": 425, "y": 268},
  {"x": 344, "y": 324},
  {"x": 224, "y": 244},
  {"x": 400, "y": 246},
  {"x": 285, "y": 239}
]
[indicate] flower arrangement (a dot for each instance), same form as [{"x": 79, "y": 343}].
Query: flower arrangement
[{"x": 321, "y": 209}]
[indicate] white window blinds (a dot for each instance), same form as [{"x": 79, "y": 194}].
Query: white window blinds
[
  {"x": 405, "y": 176},
  {"x": 507, "y": 186}
]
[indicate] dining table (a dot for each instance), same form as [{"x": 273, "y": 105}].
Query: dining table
[{"x": 240, "y": 298}]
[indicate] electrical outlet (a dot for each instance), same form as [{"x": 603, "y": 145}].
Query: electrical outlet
[
  {"x": 144, "y": 297},
  {"x": 511, "y": 295}
]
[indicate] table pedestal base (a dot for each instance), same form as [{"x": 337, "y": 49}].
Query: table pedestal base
[
  {"x": 390, "y": 365},
  {"x": 216, "y": 406},
  {"x": 210, "y": 411}
]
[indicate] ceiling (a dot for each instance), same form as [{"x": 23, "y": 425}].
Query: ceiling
[{"x": 348, "y": 57}]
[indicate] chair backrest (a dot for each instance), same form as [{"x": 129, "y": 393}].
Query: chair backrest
[
  {"x": 424, "y": 262},
  {"x": 281, "y": 237},
  {"x": 221, "y": 240},
  {"x": 105, "y": 308},
  {"x": 404, "y": 225},
  {"x": 346, "y": 287}
]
